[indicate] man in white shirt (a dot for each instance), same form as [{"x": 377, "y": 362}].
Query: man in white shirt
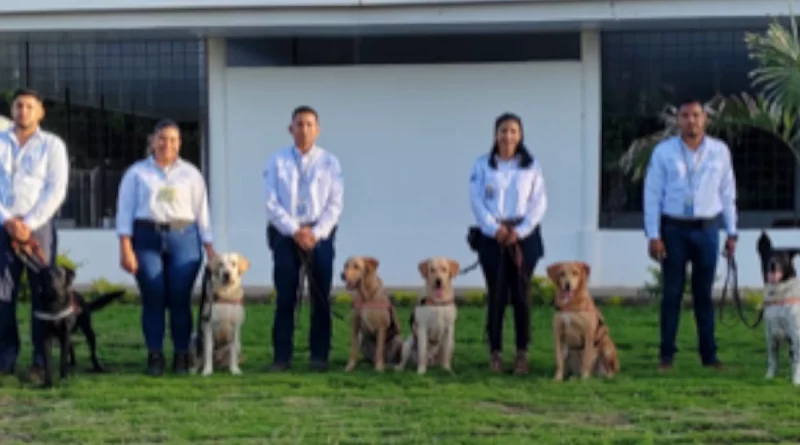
[
  {"x": 304, "y": 193},
  {"x": 689, "y": 184},
  {"x": 34, "y": 172}
]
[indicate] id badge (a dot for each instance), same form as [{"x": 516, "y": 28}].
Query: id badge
[
  {"x": 688, "y": 207},
  {"x": 302, "y": 209},
  {"x": 166, "y": 194}
]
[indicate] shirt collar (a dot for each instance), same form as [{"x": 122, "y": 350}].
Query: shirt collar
[
  {"x": 35, "y": 135},
  {"x": 152, "y": 161},
  {"x": 311, "y": 153}
]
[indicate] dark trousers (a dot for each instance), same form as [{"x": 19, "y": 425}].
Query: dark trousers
[
  {"x": 286, "y": 277},
  {"x": 169, "y": 261},
  {"x": 700, "y": 247},
  {"x": 10, "y": 272},
  {"x": 506, "y": 283}
]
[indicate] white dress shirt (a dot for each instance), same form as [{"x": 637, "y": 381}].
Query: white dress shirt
[
  {"x": 33, "y": 177},
  {"x": 677, "y": 175},
  {"x": 507, "y": 193},
  {"x": 163, "y": 195},
  {"x": 304, "y": 189}
]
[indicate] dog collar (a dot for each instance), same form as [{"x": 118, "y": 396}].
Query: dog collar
[
  {"x": 428, "y": 301},
  {"x": 72, "y": 309},
  {"x": 238, "y": 301},
  {"x": 783, "y": 301}
]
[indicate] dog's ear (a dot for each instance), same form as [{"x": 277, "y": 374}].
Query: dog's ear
[
  {"x": 371, "y": 264},
  {"x": 454, "y": 268},
  {"x": 553, "y": 270},
  {"x": 423, "y": 269},
  {"x": 69, "y": 276},
  {"x": 587, "y": 269},
  {"x": 243, "y": 263}
]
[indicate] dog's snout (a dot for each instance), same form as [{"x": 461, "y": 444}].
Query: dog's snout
[
  {"x": 226, "y": 276},
  {"x": 438, "y": 283}
]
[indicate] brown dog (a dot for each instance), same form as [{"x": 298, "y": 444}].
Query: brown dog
[
  {"x": 581, "y": 338},
  {"x": 374, "y": 327}
]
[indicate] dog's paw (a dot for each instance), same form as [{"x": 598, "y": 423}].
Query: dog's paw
[
  {"x": 399, "y": 367},
  {"x": 236, "y": 371},
  {"x": 206, "y": 372},
  {"x": 421, "y": 370},
  {"x": 379, "y": 367},
  {"x": 558, "y": 377},
  {"x": 351, "y": 365},
  {"x": 769, "y": 375}
]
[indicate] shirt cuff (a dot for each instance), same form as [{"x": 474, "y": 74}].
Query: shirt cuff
[
  {"x": 31, "y": 222},
  {"x": 490, "y": 230},
  {"x": 320, "y": 232}
]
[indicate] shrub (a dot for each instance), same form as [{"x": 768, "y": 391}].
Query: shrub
[
  {"x": 543, "y": 292},
  {"x": 653, "y": 288},
  {"x": 102, "y": 286}
]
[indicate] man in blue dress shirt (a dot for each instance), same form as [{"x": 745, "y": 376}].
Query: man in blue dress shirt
[
  {"x": 34, "y": 172},
  {"x": 689, "y": 183}
]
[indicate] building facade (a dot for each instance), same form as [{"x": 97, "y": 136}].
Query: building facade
[{"x": 407, "y": 94}]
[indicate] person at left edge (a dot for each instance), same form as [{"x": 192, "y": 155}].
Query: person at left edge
[
  {"x": 162, "y": 220},
  {"x": 33, "y": 185},
  {"x": 304, "y": 193}
]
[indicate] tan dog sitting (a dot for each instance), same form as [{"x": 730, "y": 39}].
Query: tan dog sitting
[
  {"x": 582, "y": 342},
  {"x": 375, "y": 331},
  {"x": 433, "y": 322},
  {"x": 221, "y": 315}
]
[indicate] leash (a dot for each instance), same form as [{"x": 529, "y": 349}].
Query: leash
[
  {"x": 306, "y": 280},
  {"x": 470, "y": 268},
  {"x": 732, "y": 280},
  {"x": 513, "y": 252}
]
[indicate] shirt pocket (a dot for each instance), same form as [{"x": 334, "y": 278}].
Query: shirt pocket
[
  {"x": 494, "y": 183},
  {"x": 676, "y": 170},
  {"x": 32, "y": 166},
  {"x": 524, "y": 184}
]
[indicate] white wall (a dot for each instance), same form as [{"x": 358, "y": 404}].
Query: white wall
[{"x": 406, "y": 137}]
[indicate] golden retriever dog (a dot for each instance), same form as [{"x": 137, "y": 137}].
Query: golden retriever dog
[
  {"x": 582, "y": 342},
  {"x": 374, "y": 331},
  {"x": 433, "y": 321},
  {"x": 221, "y": 316}
]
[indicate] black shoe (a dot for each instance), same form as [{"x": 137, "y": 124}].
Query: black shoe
[
  {"x": 318, "y": 366},
  {"x": 155, "y": 364},
  {"x": 180, "y": 364},
  {"x": 280, "y": 367}
]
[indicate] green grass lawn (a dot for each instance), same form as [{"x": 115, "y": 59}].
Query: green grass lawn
[{"x": 691, "y": 405}]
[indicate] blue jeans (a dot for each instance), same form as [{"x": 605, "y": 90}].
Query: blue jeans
[
  {"x": 286, "y": 277},
  {"x": 700, "y": 247},
  {"x": 169, "y": 262},
  {"x": 10, "y": 272}
]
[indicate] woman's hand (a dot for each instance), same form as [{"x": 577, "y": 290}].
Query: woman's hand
[
  {"x": 512, "y": 237},
  {"x": 210, "y": 252},
  {"x": 502, "y": 234},
  {"x": 128, "y": 261}
]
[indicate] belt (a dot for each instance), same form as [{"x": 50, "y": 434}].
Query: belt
[
  {"x": 689, "y": 223},
  {"x": 172, "y": 226},
  {"x": 514, "y": 222}
]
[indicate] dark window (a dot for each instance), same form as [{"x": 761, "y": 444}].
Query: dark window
[
  {"x": 103, "y": 98},
  {"x": 407, "y": 49},
  {"x": 644, "y": 70}
]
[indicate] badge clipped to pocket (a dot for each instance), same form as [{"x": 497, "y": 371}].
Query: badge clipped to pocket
[
  {"x": 166, "y": 194},
  {"x": 688, "y": 207},
  {"x": 488, "y": 192}
]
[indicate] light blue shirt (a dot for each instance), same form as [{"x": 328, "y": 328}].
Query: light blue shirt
[
  {"x": 509, "y": 192},
  {"x": 163, "y": 195},
  {"x": 304, "y": 189},
  {"x": 676, "y": 173},
  {"x": 33, "y": 177}
]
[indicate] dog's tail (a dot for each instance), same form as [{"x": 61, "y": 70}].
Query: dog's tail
[{"x": 104, "y": 300}]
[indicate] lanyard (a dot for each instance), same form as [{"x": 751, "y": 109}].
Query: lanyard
[
  {"x": 298, "y": 159},
  {"x": 691, "y": 171}
]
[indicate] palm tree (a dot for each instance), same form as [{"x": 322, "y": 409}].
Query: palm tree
[{"x": 774, "y": 110}]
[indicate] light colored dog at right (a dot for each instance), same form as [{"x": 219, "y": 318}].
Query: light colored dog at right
[
  {"x": 221, "y": 315},
  {"x": 433, "y": 322},
  {"x": 782, "y": 313}
]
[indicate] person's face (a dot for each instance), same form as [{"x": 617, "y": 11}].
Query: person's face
[
  {"x": 692, "y": 119},
  {"x": 167, "y": 145},
  {"x": 507, "y": 137},
  {"x": 305, "y": 130},
  {"x": 27, "y": 112}
]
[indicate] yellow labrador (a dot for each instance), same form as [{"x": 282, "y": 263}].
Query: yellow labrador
[{"x": 433, "y": 321}]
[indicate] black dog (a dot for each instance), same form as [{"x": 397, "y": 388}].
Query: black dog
[{"x": 62, "y": 312}]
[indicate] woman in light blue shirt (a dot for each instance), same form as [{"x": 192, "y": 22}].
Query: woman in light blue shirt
[
  {"x": 162, "y": 221},
  {"x": 508, "y": 200}
]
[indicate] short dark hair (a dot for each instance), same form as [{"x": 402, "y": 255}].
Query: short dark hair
[
  {"x": 690, "y": 100},
  {"x": 165, "y": 123},
  {"x": 27, "y": 92},
  {"x": 305, "y": 109}
]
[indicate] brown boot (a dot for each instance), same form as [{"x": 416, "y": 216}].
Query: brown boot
[
  {"x": 521, "y": 363},
  {"x": 496, "y": 363}
]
